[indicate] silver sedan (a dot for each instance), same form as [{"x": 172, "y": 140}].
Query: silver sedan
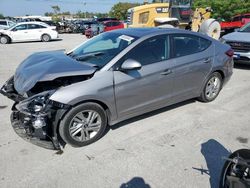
[{"x": 71, "y": 98}]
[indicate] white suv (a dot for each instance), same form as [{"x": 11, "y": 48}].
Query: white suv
[{"x": 28, "y": 31}]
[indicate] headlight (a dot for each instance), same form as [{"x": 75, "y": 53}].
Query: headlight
[
  {"x": 34, "y": 104},
  {"x": 222, "y": 40}
]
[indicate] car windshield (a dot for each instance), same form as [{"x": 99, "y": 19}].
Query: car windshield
[
  {"x": 245, "y": 28},
  {"x": 99, "y": 50}
]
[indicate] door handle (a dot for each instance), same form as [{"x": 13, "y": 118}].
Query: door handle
[
  {"x": 26, "y": 32},
  {"x": 166, "y": 72},
  {"x": 207, "y": 60}
]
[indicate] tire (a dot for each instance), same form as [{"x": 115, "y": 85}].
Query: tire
[
  {"x": 212, "y": 88},
  {"x": 77, "y": 127},
  {"x": 4, "y": 39},
  {"x": 243, "y": 153},
  {"x": 45, "y": 38},
  {"x": 211, "y": 28}
]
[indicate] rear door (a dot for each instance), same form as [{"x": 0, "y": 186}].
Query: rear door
[
  {"x": 140, "y": 91},
  {"x": 35, "y": 31},
  {"x": 193, "y": 58}
]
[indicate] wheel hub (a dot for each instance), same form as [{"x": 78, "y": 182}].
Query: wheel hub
[{"x": 85, "y": 125}]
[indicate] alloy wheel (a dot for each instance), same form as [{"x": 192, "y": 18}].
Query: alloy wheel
[
  {"x": 213, "y": 87},
  {"x": 85, "y": 125}
]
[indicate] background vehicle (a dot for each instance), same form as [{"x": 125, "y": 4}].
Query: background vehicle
[
  {"x": 237, "y": 22},
  {"x": 28, "y": 31},
  {"x": 5, "y": 24},
  {"x": 105, "y": 19},
  {"x": 158, "y": 14},
  {"x": 107, "y": 80},
  {"x": 236, "y": 170},
  {"x": 112, "y": 25},
  {"x": 240, "y": 43},
  {"x": 94, "y": 29}
]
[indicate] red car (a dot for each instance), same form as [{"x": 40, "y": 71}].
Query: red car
[
  {"x": 112, "y": 25},
  {"x": 237, "y": 22}
]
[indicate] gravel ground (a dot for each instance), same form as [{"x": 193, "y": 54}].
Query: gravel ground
[{"x": 178, "y": 146}]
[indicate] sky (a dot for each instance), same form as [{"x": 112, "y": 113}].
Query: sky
[{"x": 39, "y": 7}]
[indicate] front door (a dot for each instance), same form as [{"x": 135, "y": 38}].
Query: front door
[
  {"x": 140, "y": 91},
  {"x": 19, "y": 33}
]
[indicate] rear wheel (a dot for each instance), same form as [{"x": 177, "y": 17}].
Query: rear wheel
[
  {"x": 212, "y": 88},
  {"x": 83, "y": 124},
  {"x": 4, "y": 39},
  {"x": 45, "y": 38}
]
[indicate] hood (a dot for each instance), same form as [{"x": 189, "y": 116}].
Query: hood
[
  {"x": 237, "y": 36},
  {"x": 47, "y": 66}
]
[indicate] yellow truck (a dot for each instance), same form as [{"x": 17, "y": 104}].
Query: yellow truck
[{"x": 174, "y": 13}]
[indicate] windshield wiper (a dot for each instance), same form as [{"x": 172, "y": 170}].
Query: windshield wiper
[{"x": 88, "y": 56}]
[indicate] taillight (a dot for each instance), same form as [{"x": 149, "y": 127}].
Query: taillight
[{"x": 230, "y": 53}]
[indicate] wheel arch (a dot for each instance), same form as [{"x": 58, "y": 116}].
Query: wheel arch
[
  {"x": 45, "y": 34},
  {"x": 62, "y": 113},
  {"x": 10, "y": 39}
]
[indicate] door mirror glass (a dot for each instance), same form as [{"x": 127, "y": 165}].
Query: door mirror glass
[{"x": 131, "y": 64}]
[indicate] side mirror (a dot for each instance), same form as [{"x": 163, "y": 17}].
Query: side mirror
[{"x": 131, "y": 64}]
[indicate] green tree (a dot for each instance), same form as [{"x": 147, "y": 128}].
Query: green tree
[
  {"x": 1, "y": 16},
  {"x": 56, "y": 9},
  {"x": 225, "y": 9},
  {"x": 120, "y": 10}
]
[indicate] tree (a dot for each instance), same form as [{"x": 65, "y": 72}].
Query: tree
[
  {"x": 120, "y": 10},
  {"x": 225, "y": 9},
  {"x": 56, "y": 9},
  {"x": 1, "y": 16}
]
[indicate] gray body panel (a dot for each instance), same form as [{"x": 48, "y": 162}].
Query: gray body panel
[
  {"x": 134, "y": 92},
  {"x": 47, "y": 66}
]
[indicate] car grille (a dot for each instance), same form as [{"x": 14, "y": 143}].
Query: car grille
[{"x": 240, "y": 46}]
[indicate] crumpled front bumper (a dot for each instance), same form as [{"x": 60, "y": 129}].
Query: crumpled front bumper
[{"x": 22, "y": 130}]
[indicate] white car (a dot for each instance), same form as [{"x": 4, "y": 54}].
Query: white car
[{"x": 28, "y": 31}]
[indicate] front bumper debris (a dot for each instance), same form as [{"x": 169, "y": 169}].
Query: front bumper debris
[{"x": 37, "y": 137}]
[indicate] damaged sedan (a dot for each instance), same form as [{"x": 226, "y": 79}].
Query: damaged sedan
[{"x": 71, "y": 98}]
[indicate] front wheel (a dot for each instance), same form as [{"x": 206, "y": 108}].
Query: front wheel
[
  {"x": 212, "y": 88},
  {"x": 83, "y": 125},
  {"x": 4, "y": 39}
]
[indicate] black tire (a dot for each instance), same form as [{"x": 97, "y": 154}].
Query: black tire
[
  {"x": 4, "y": 39},
  {"x": 45, "y": 38},
  {"x": 204, "y": 95},
  {"x": 67, "y": 122},
  {"x": 242, "y": 153}
]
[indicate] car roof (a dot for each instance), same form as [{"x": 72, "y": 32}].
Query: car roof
[
  {"x": 41, "y": 23},
  {"x": 141, "y": 32}
]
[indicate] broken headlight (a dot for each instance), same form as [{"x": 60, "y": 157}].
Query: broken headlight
[{"x": 35, "y": 104}]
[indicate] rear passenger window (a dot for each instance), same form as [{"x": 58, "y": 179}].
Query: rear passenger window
[
  {"x": 34, "y": 26},
  {"x": 109, "y": 24},
  {"x": 116, "y": 23},
  {"x": 189, "y": 44}
]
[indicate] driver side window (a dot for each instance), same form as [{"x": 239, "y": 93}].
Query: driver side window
[
  {"x": 20, "y": 27},
  {"x": 152, "y": 50}
]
